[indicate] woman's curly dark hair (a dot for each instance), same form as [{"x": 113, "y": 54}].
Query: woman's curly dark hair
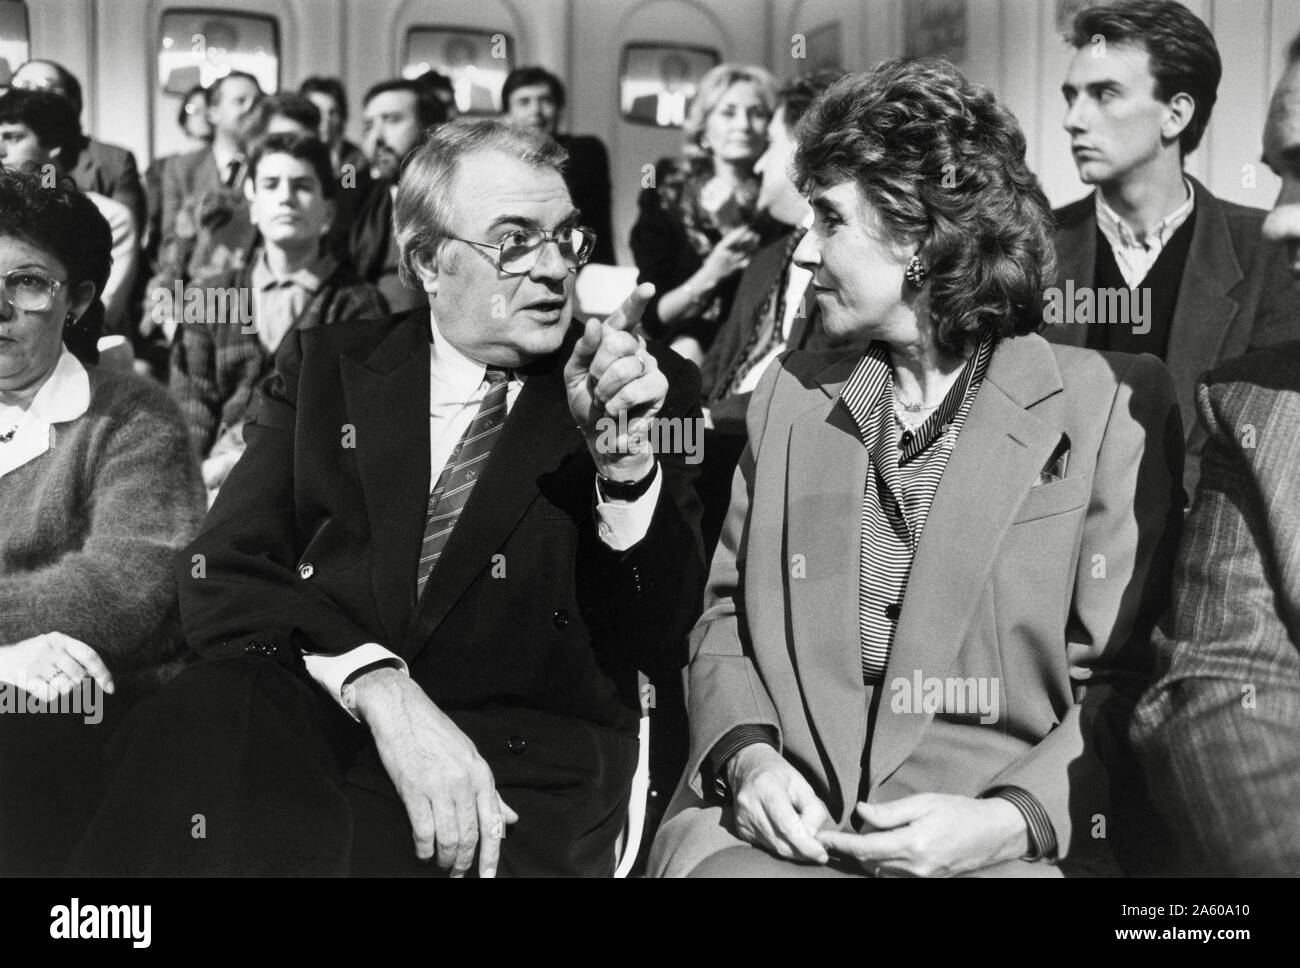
[
  {"x": 67, "y": 225},
  {"x": 944, "y": 164}
]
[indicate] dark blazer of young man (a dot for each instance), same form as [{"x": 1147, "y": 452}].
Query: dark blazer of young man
[
  {"x": 1235, "y": 294},
  {"x": 529, "y": 635}
]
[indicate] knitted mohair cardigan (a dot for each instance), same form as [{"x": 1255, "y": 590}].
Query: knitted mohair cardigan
[{"x": 88, "y": 530}]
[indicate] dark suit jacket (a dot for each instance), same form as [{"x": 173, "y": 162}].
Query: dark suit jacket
[
  {"x": 587, "y": 175},
  {"x": 371, "y": 231},
  {"x": 1236, "y": 295},
  {"x": 731, "y": 343},
  {"x": 1219, "y": 733},
  {"x": 110, "y": 170},
  {"x": 529, "y": 624},
  {"x": 1047, "y": 587}
]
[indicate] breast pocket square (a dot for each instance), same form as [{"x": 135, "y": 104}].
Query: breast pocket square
[{"x": 1056, "y": 466}]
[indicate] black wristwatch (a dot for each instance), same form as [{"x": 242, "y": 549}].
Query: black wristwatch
[{"x": 625, "y": 490}]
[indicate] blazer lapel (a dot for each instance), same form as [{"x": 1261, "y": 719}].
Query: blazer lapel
[
  {"x": 538, "y": 436},
  {"x": 1076, "y": 249},
  {"x": 1204, "y": 313},
  {"x": 826, "y": 475},
  {"x": 997, "y": 458},
  {"x": 206, "y": 175},
  {"x": 387, "y": 399}
]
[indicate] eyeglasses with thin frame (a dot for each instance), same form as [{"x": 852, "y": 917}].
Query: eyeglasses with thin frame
[
  {"x": 28, "y": 291},
  {"x": 520, "y": 251}
]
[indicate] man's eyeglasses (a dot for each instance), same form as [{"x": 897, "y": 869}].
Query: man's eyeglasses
[
  {"x": 27, "y": 291},
  {"x": 520, "y": 251}
]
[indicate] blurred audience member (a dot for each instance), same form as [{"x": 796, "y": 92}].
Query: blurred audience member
[
  {"x": 227, "y": 346},
  {"x": 205, "y": 223},
  {"x": 331, "y": 99},
  {"x": 104, "y": 169},
  {"x": 39, "y": 134},
  {"x": 442, "y": 88},
  {"x": 351, "y": 167},
  {"x": 698, "y": 225},
  {"x": 535, "y": 98},
  {"x": 232, "y": 111},
  {"x": 397, "y": 114},
  {"x": 192, "y": 119},
  {"x": 775, "y": 309},
  {"x": 289, "y": 113}
]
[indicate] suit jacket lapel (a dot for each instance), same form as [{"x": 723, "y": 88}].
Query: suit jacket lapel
[
  {"x": 1076, "y": 249},
  {"x": 537, "y": 437},
  {"x": 1204, "y": 313},
  {"x": 387, "y": 398},
  {"x": 1001, "y": 450},
  {"x": 826, "y": 475}
]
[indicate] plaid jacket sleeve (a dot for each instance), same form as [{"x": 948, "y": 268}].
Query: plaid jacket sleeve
[{"x": 1219, "y": 732}]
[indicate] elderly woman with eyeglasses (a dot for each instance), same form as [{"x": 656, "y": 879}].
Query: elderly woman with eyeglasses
[{"x": 98, "y": 490}]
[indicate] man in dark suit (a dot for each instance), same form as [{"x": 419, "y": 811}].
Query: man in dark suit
[
  {"x": 233, "y": 102},
  {"x": 1219, "y": 733},
  {"x": 107, "y": 170},
  {"x": 1139, "y": 90},
  {"x": 427, "y": 588},
  {"x": 772, "y": 286},
  {"x": 397, "y": 115},
  {"x": 535, "y": 98}
]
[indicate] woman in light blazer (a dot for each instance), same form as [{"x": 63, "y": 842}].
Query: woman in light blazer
[{"x": 927, "y": 621}]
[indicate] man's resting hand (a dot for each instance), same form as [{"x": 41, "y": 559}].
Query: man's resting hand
[{"x": 448, "y": 789}]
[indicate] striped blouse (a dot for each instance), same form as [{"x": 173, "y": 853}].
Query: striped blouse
[{"x": 900, "y": 487}]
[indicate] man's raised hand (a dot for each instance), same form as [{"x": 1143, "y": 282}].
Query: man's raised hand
[{"x": 615, "y": 389}]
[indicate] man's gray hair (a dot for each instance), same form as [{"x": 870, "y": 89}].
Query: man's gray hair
[{"x": 422, "y": 212}]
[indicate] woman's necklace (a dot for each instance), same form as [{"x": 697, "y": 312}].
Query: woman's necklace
[
  {"x": 915, "y": 410},
  {"x": 7, "y": 430}
]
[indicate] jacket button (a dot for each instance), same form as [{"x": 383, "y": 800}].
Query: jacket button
[
  {"x": 560, "y": 618},
  {"x": 305, "y": 570},
  {"x": 892, "y": 611},
  {"x": 517, "y": 745}
]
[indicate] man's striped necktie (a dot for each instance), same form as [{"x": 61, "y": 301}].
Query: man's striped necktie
[{"x": 462, "y": 469}]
